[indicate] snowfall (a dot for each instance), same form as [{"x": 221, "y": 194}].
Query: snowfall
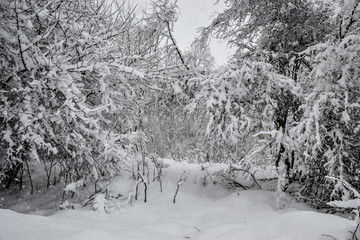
[{"x": 203, "y": 210}]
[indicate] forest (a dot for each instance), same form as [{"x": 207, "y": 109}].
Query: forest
[{"x": 94, "y": 88}]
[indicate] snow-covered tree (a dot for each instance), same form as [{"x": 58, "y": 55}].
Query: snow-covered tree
[
  {"x": 269, "y": 37},
  {"x": 86, "y": 83},
  {"x": 62, "y": 74},
  {"x": 329, "y": 130},
  {"x": 290, "y": 94}
]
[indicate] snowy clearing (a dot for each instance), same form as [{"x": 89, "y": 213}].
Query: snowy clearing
[{"x": 201, "y": 212}]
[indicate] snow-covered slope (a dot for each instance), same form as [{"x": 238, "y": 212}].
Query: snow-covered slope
[{"x": 201, "y": 213}]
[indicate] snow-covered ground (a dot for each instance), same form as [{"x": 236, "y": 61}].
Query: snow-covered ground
[{"x": 201, "y": 212}]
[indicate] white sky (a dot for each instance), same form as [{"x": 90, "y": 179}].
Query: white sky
[{"x": 193, "y": 15}]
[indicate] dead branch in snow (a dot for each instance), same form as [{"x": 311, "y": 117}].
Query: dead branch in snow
[
  {"x": 182, "y": 179},
  {"x": 140, "y": 180},
  {"x": 159, "y": 175},
  {"x": 232, "y": 168}
]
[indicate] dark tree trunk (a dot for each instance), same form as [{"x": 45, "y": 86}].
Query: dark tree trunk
[{"x": 11, "y": 173}]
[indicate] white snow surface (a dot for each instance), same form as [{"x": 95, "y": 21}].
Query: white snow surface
[{"x": 201, "y": 212}]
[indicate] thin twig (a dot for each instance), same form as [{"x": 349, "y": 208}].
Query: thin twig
[
  {"x": 182, "y": 179},
  {"x": 325, "y": 235},
  {"x": 232, "y": 168},
  {"x": 356, "y": 229},
  {"x": 176, "y": 47}
]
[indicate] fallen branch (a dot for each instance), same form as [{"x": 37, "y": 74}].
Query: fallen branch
[
  {"x": 231, "y": 183},
  {"x": 91, "y": 198},
  {"x": 237, "y": 184},
  {"x": 347, "y": 185},
  {"x": 232, "y": 168},
  {"x": 325, "y": 235}
]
